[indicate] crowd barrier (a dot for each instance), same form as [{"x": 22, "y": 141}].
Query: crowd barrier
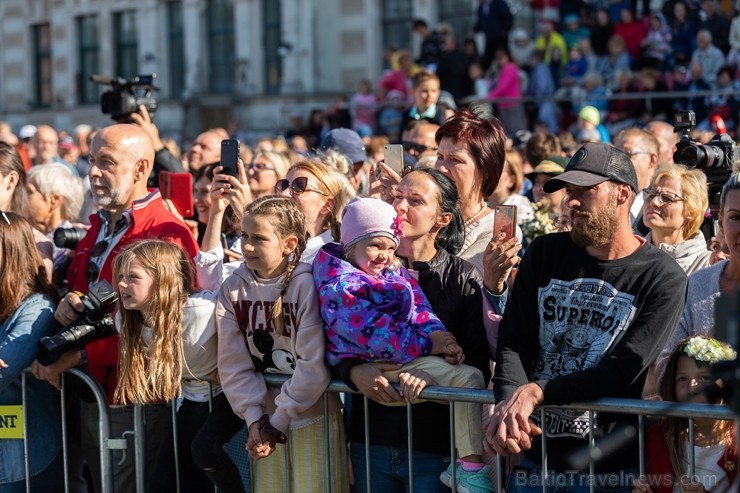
[{"x": 640, "y": 408}]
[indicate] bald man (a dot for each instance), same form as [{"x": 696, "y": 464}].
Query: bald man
[
  {"x": 667, "y": 139},
  {"x": 206, "y": 149},
  {"x": 121, "y": 159}
]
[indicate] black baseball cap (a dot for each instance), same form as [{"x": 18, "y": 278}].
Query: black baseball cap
[{"x": 595, "y": 163}]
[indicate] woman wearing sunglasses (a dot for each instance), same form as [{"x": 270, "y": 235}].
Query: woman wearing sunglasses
[
  {"x": 673, "y": 209},
  {"x": 321, "y": 194}
]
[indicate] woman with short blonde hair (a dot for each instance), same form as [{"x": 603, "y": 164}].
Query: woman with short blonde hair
[{"x": 674, "y": 208}]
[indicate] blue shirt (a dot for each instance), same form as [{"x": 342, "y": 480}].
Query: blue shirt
[{"x": 19, "y": 333}]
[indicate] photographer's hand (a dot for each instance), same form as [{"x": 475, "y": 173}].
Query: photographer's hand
[
  {"x": 144, "y": 120},
  {"x": 53, "y": 372},
  {"x": 69, "y": 309}
]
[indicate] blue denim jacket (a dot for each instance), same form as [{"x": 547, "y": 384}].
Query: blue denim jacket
[{"x": 19, "y": 333}]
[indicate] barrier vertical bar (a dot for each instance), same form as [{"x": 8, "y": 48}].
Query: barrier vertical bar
[
  {"x": 327, "y": 440},
  {"x": 366, "y": 405},
  {"x": 641, "y": 442},
  {"x": 543, "y": 476},
  {"x": 139, "y": 444},
  {"x": 452, "y": 447},
  {"x": 65, "y": 449},
  {"x": 692, "y": 452},
  {"x": 410, "y": 435},
  {"x": 499, "y": 474},
  {"x": 175, "y": 443},
  {"x": 26, "y": 465},
  {"x": 591, "y": 445}
]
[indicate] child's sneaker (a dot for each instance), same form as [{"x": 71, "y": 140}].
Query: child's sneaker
[{"x": 468, "y": 481}]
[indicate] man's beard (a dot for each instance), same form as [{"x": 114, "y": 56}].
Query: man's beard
[
  {"x": 112, "y": 197},
  {"x": 598, "y": 229}
]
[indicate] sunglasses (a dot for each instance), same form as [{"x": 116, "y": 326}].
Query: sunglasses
[
  {"x": 418, "y": 148},
  {"x": 5, "y": 216},
  {"x": 663, "y": 197},
  {"x": 93, "y": 271},
  {"x": 297, "y": 186}
]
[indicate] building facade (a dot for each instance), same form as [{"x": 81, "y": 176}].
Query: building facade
[{"x": 251, "y": 63}]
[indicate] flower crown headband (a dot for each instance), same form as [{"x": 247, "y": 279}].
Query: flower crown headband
[{"x": 707, "y": 350}]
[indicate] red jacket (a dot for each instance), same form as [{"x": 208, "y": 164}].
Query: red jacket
[
  {"x": 658, "y": 466},
  {"x": 150, "y": 220}
]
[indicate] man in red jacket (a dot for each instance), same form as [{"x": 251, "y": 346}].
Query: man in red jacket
[{"x": 121, "y": 159}]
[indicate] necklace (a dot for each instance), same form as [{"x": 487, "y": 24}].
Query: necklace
[{"x": 475, "y": 216}]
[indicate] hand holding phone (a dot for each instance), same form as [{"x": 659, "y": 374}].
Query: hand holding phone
[
  {"x": 505, "y": 221},
  {"x": 178, "y": 187},
  {"x": 393, "y": 157}
]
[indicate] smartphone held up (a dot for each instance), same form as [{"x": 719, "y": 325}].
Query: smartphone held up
[
  {"x": 230, "y": 157},
  {"x": 505, "y": 221}
]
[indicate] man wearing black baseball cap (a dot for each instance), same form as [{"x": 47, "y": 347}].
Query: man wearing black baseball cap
[{"x": 588, "y": 314}]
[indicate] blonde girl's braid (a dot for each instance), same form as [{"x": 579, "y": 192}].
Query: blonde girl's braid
[{"x": 287, "y": 219}]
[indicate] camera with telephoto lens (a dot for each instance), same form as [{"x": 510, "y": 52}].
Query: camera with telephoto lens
[
  {"x": 68, "y": 237},
  {"x": 96, "y": 322},
  {"x": 715, "y": 158},
  {"x": 126, "y": 96}
]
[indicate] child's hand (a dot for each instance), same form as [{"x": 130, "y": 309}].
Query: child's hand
[
  {"x": 3, "y": 364},
  {"x": 639, "y": 486},
  {"x": 413, "y": 382},
  {"x": 440, "y": 340},
  {"x": 257, "y": 446},
  {"x": 454, "y": 354}
]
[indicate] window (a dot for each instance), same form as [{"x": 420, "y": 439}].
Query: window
[
  {"x": 460, "y": 14},
  {"x": 42, "y": 65},
  {"x": 221, "y": 63},
  {"x": 272, "y": 27},
  {"x": 176, "y": 59},
  {"x": 125, "y": 44},
  {"x": 87, "y": 38},
  {"x": 397, "y": 21}
]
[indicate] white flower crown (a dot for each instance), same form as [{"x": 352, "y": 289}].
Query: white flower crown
[{"x": 708, "y": 350}]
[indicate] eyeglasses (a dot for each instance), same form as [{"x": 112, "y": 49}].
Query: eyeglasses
[
  {"x": 418, "y": 148},
  {"x": 93, "y": 271},
  {"x": 663, "y": 197},
  {"x": 5, "y": 216},
  {"x": 297, "y": 186},
  {"x": 260, "y": 167}
]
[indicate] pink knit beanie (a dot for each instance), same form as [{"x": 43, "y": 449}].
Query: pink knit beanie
[{"x": 365, "y": 217}]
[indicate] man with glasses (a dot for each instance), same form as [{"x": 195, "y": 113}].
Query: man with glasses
[
  {"x": 121, "y": 159},
  {"x": 643, "y": 149},
  {"x": 587, "y": 316}
]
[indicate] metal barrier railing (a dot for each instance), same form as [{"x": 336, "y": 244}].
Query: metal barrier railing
[{"x": 621, "y": 406}]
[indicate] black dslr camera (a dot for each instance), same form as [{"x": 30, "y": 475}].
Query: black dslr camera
[
  {"x": 96, "y": 322},
  {"x": 715, "y": 158},
  {"x": 126, "y": 96}
]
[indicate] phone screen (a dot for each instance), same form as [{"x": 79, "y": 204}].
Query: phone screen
[
  {"x": 505, "y": 221},
  {"x": 230, "y": 157},
  {"x": 393, "y": 157}
]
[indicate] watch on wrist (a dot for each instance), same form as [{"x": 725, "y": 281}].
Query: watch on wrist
[{"x": 83, "y": 357}]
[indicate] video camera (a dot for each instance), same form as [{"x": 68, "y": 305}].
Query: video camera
[
  {"x": 96, "y": 322},
  {"x": 123, "y": 99},
  {"x": 715, "y": 158}
]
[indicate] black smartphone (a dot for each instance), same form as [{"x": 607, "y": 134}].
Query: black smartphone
[{"x": 230, "y": 157}]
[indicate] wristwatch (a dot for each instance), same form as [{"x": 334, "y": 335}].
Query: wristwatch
[{"x": 83, "y": 357}]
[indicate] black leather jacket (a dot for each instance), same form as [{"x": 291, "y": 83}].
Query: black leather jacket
[{"x": 454, "y": 289}]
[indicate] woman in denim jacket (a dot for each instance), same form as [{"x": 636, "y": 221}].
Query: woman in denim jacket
[{"x": 26, "y": 315}]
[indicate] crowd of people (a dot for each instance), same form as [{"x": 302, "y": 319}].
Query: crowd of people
[{"x": 319, "y": 260}]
